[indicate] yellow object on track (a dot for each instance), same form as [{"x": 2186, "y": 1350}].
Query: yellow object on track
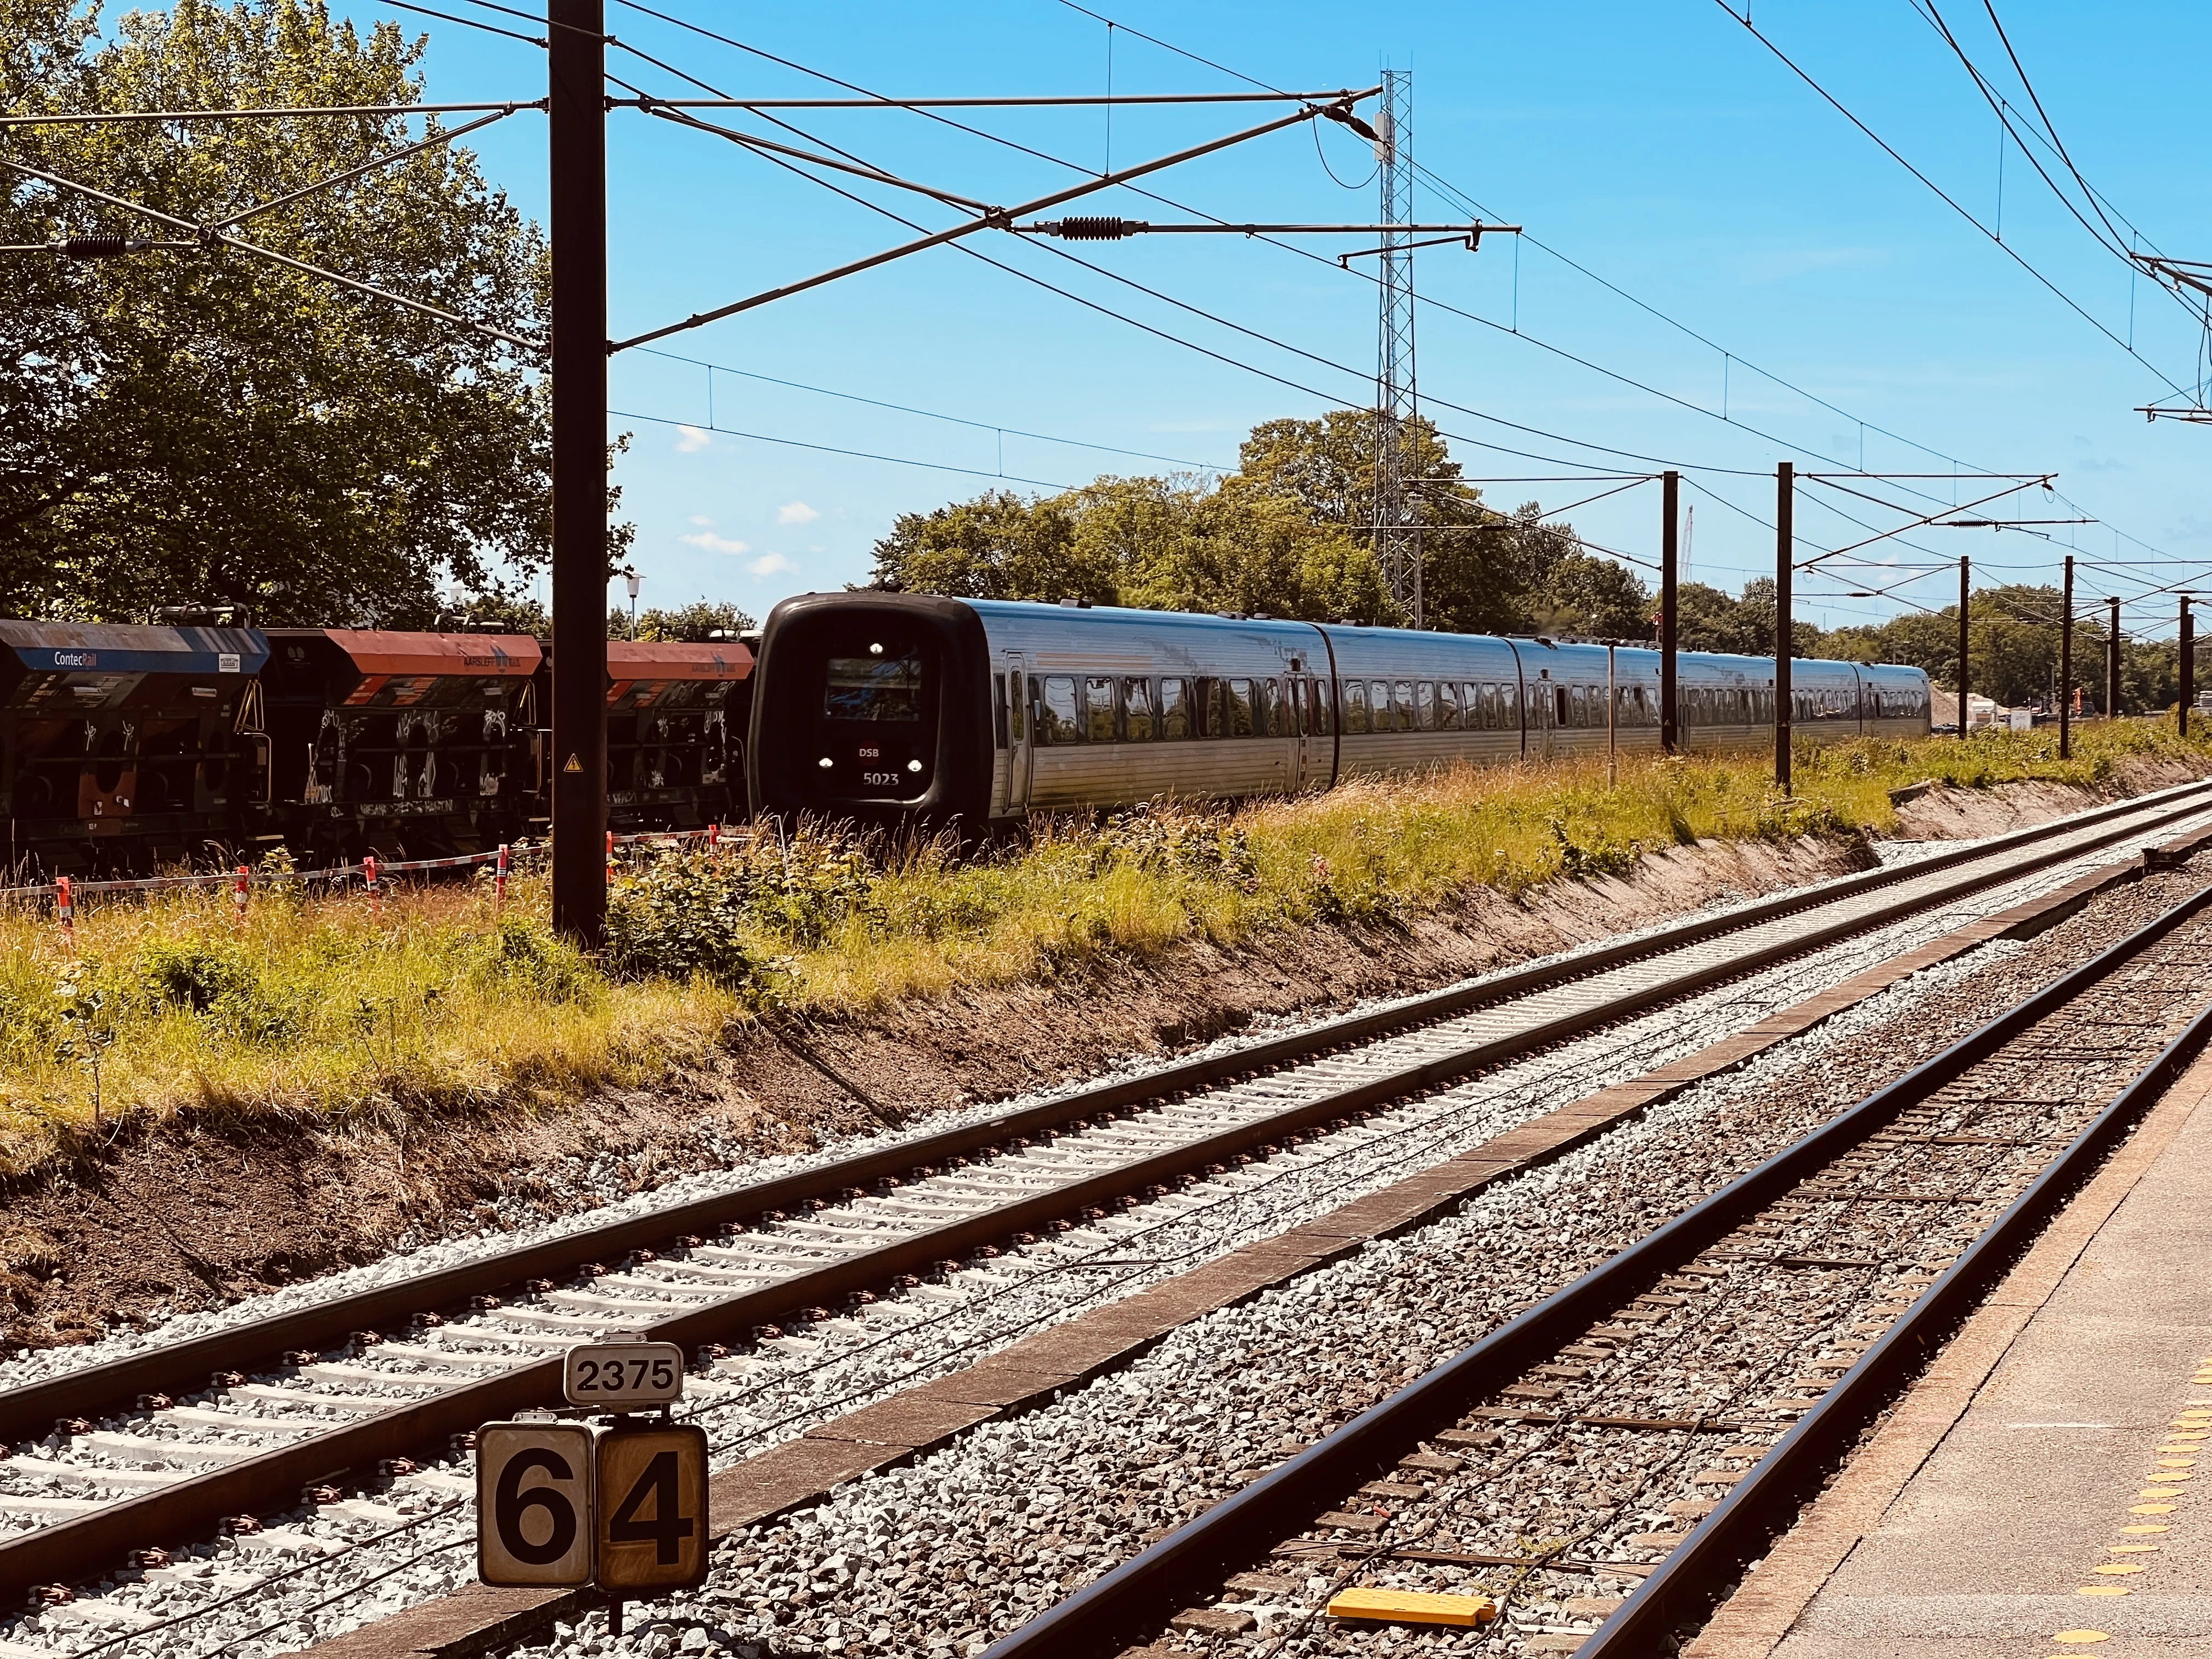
[{"x": 1414, "y": 1606}]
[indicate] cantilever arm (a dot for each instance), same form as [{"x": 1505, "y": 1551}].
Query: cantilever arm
[
  {"x": 992, "y": 219},
  {"x": 208, "y": 236}
]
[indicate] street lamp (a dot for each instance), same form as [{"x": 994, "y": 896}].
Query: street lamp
[{"x": 632, "y": 581}]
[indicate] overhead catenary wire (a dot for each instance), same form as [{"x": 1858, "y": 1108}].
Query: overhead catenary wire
[
  {"x": 973, "y": 252},
  {"x": 1255, "y": 334},
  {"x": 1554, "y": 437},
  {"x": 1950, "y": 200},
  {"x": 224, "y": 239},
  {"x": 930, "y": 413},
  {"x": 833, "y": 449}
]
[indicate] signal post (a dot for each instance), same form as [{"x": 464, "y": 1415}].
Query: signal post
[{"x": 619, "y": 1502}]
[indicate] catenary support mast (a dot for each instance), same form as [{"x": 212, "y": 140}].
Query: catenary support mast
[
  {"x": 1670, "y": 725},
  {"x": 1397, "y": 526},
  {"x": 576, "y": 56}
]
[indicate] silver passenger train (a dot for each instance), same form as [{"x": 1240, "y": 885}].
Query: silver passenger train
[{"x": 893, "y": 707}]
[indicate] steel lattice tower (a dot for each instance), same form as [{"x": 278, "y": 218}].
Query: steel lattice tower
[{"x": 1397, "y": 527}]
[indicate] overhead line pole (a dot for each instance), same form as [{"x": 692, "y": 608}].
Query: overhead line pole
[
  {"x": 1785, "y": 505},
  {"x": 2113, "y": 664},
  {"x": 1670, "y": 491},
  {"x": 2188, "y": 668},
  {"x": 2066, "y": 664},
  {"x": 576, "y": 62},
  {"x": 1966, "y": 575}
]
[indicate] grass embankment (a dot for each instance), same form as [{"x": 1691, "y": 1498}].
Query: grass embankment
[{"x": 325, "y": 1008}]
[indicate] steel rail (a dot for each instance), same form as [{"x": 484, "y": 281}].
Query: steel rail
[
  {"x": 69, "y": 1550},
  {"x": 1767, "y": 1499},
  {"x": 1137, "y": 1598},
  {"x": 29, "y": 1410}
]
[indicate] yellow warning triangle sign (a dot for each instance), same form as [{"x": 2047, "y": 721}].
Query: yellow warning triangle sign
[{"x": 573, "y": 765}]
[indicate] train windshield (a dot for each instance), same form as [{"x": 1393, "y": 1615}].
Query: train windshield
[{"x": 880, "y": 687}]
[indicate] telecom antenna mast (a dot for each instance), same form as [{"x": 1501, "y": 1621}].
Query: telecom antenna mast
[{"x": 1397, "y": 525}]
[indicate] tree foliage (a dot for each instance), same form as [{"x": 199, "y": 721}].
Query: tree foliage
[
  {"x": 678, "y": 623},
  {"x": 209, "y": 425},
  {"x": 1288, "y": 534}
]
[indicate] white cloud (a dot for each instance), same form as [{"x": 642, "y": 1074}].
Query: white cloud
[
  {"x": 713, "y": 543},
  {"x": 690, "y": 440},
  {"x": 796, "y": 513},
  {"x": 703, "y": 521},
  {"x": 771, "y": 564}
]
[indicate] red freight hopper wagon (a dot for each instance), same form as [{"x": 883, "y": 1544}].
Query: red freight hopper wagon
[
  {"x": 414, "y": 745},
  {"x": 677, "y": 715},
  {"x": 122, "y": 747}
]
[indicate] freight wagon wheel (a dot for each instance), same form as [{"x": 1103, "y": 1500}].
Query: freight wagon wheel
[{"x": 157, "y": 791}]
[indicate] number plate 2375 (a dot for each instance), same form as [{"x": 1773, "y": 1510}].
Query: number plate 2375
[{"x": 614, "y": 1375}]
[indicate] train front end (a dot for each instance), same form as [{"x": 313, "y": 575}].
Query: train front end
[{"x": 873, "y": 708}]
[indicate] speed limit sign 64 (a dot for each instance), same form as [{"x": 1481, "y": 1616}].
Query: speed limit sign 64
[{"x": 534, "y": 1510}]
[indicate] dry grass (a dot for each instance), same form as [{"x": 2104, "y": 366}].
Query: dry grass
[
  {"x": 317, "y": 1008},
  {"x": 320, "y": 1009}
]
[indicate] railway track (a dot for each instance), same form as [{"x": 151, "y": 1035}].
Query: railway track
[
  {"x": 1602, "y": 1468},
  {"x": 298, "y": 1404}
]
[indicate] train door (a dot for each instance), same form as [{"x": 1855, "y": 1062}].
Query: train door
[
  {"x": 1538, "y": 724},
  {"x": 1299, "y": 726},
  {"x": 1014, "y": 698}
]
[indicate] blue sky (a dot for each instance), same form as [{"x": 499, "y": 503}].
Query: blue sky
[{"x": 1658, "y": 144}]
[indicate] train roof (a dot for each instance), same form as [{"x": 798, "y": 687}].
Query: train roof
[
  {"x": 384, "y": 651},
  {"x": 48, "y": 647},
  {"x": 1363, "y": 640},
  {"x": 677, "y": 659}
]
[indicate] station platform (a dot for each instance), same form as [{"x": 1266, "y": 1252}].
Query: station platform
[{"x": 2039, "y": 1492}]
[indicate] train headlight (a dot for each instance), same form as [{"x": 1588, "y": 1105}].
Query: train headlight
[
  {"x": 827, "y": 763},
  {"x": 914, "y": 766},
  {"x": 875, "y": 651}
]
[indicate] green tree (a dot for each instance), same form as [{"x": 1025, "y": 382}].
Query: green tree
[
  {"x": 1482, "y": 571},
  {"x": 1288, "y": 534},
  {"x": 695, "y": 620},
  {"x": 1591, "y": 597},
  {"x": 192, "y": 424},
  {"x": 998, "y": 546},
  {"x": 1180, "y": 544}
]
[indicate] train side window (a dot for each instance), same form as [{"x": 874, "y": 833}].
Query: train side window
[
  {"x": 1355, "y": 705},
  {"x": 998, "y": 710},
  {"x": 1378, "y": 705},
  {"x": 1483, "y": 696},
  {"x": 1404, "y": 708},
  {"x": 1137, "y": 710},
  {"x": 1448, "y": 706},
  {"x": 1015, "y": 704},
  {"x": 1212, "y": 716},
  {"x": 1239, "y": 708},
  {"x": 1266, "y": 721},
  {"x": 1578, "y": 703},
  {"x": 1099, "y": 698},
  {"x": 1057, "y": 719},
  {"x": 1174, "y": 711},
  {"x": 1425, "y": 705},
  {"x": 1317, "y": 707}
]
